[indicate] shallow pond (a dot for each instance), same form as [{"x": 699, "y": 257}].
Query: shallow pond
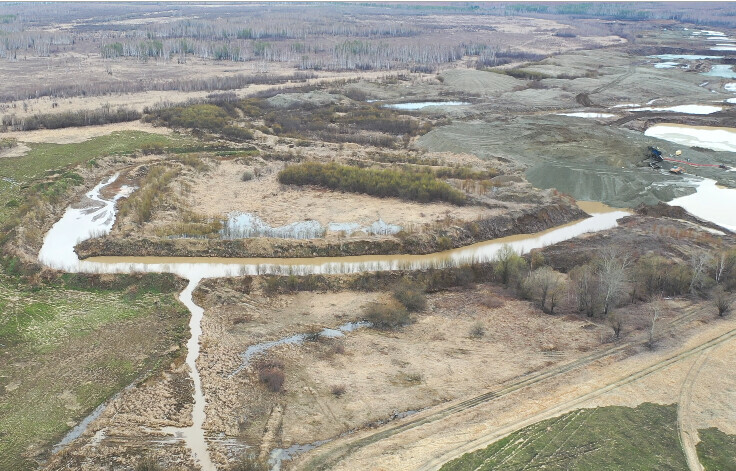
[
  {"x": 583, "y": 114},
  {"x": 721, "y": 70},
  {"x": 424, "y": 104},
  {"x": 719, "y": 139},
  {"x": 688, "y": 109},
  {"x": 711, "y": 202},
  {"x": 685, "y": 57}
]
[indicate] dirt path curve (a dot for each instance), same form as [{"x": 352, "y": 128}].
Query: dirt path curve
[
  {"x": 685, "y": 427},
  {"x": 486, "y": 439},
  {"x": 330, "y": 455},
  {"x": 616, "y": 81}
]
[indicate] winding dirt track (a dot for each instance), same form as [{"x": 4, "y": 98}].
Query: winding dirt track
[
  {"x": 330, "y": 455},
  {"x": 688, "y": 432}
]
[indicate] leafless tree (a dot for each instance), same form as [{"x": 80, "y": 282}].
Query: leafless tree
[
  {"x": 656, "y": 307},
  {"x": 546, "y": 286},
  {"x": 613, "y": 275},
  {"x": 699, "y": 262},
  {"x": 585, "y": 288}
]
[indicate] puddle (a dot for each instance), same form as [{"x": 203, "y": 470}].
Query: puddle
[
  {"x": 247, "y": 225},
  {"x": 721, "y": 70},
  {"x": 295, "y": 339},
  {"x": 718, "y": 139},
  {"x": 81, "y": 427},
  {"x": 588, "y": 115},
  {"x": 689, "y": 109},
  {"x": 730, "y": 87},
  {"x": 626, "y": 105},
  {"x": 724, "y": 47},
  {"x": 668, "y": 65},
  {"x": 279, "y": 455},
  {"x": 424, "y": 104}
]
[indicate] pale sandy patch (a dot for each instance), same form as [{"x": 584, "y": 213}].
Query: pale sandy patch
[
  {"x": 222, "y": 191},
  {"x": 76, "y": 135}
]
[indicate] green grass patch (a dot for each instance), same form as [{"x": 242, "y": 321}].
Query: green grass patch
[
  {"x": 716, "y": 450},
  {"x": 43, "y": 157},
  {"x": 41, "y": 172},
  {"x": 606, "y": 438},
  {"x": 64, "y": 351}
]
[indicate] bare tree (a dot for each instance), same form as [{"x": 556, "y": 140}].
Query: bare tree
[
  {"x": 613, "y": 275},
  {"x": 585, "y": 287},
  {"x": 655, "y": 312},
  {"x": 546, "y": 285},
  {"x": 699, "y": 263}
]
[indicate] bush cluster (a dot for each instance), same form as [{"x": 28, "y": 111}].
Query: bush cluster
[
  {"x": 422, "y": 187},
  {"x": 70, "y": 119},
  {"x": 387, "y": 316}
]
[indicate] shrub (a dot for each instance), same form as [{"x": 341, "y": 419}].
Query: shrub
[
  {"x": 338, "y": 390},
  {"x": 410, "y": 295},
  {"x": 272, "y": 375},
  {"x": 477, "y": 331},
  {"x": 387, "y": 316},
  {"x": 492, "y": 302},
  {"x": 249, "y": 463},
  {"x": 247, "y": 176},
  {"x": 237, "y": 134},
  {"x": 422, "y": 187},
  {"x": 148, "y": 464}
]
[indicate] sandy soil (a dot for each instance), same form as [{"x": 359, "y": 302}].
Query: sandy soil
[
  {"x": 384, "y": 373},
  {"x": 278, "y": 205},
  {"x": 429, "y": 446},
  {"x": 81, "y": 134}
]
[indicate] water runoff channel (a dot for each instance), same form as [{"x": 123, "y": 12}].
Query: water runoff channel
[{"x": 95, "y": 217}]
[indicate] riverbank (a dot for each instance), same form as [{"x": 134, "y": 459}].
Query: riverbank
[{"x": 467, "y": 233}]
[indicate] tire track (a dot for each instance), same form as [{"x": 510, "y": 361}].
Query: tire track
[
  {"x": 329, "y": 457},
  {"x": 491, "y": 437},
  {"x": 688, "y": 434}
]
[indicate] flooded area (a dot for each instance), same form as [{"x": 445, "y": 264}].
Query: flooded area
[
  {"x": 296, "y": 339},
  {"x": 685, "y": 57},
  {"x": 688, "y": 109},
  {"x": 718, "y": 139},
  {"x": 583, "y": 114},
  {"x": 711, "y": 202},
  {"x": 424, "y": 104},
  {"x": 721, "y": 70},
  {"x": 247, "y": 225}
]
